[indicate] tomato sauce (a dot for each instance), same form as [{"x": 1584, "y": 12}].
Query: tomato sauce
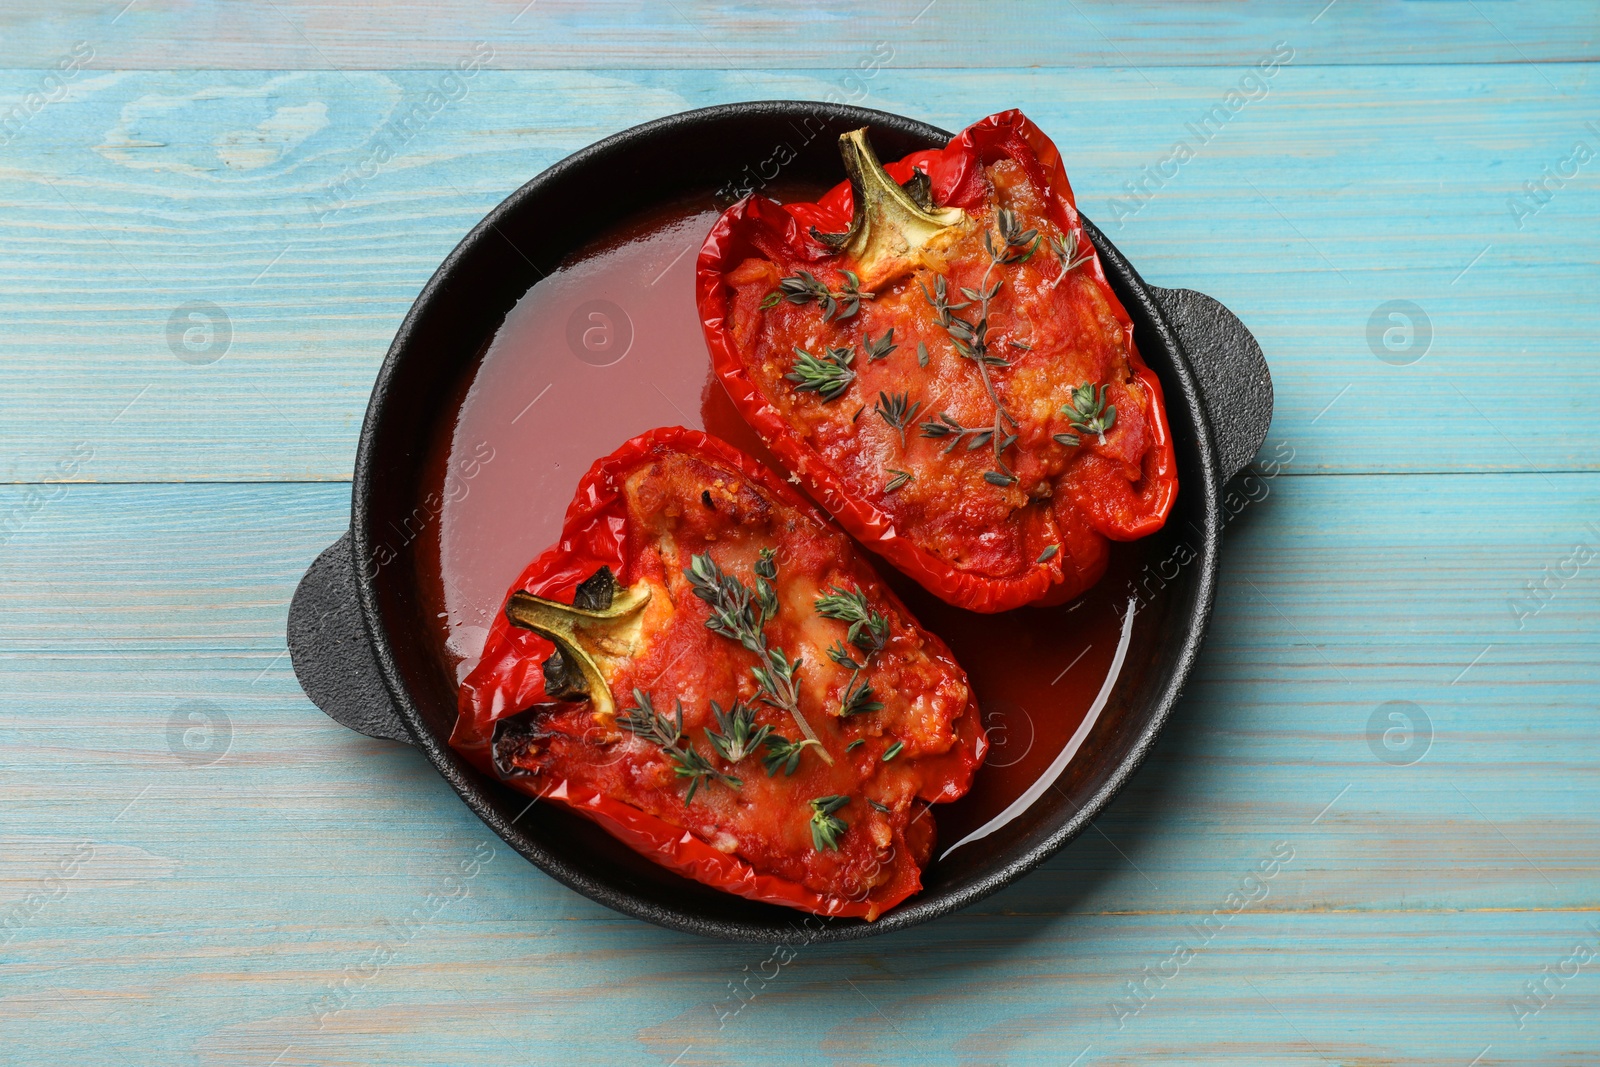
[{"x": 610, "y": 345}]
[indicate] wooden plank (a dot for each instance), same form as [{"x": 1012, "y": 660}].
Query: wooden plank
[
  {"x": 991, "y": 990},
  {"x": 1307, "y": 213},
  {"x": 949, "y": 34},
  {"x": 226, "y": 902}
]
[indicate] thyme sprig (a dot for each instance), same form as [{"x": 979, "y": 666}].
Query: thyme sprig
[
  {"x": 803, "y": 287},
  {"x": 783, "y": 754},
  {"x": 857, "y": 699},
  {"x": 741, "y": 614},
  {"x": 970, "y": 337},
  {"x": 778, "y": 683},
  {"x": 945, "y": 426},
  {"x": 939, "y": 300},
  {"x": 737, "y": 734},
  {"x": 799, "y": 288},
  {"x": 842, "y": 655},
  {"x": 869, "y": 628},
  {"x": 736, "y": 612},
  {"x": 880, "y": 348},
  {"x": 1069, "y": 251},
  {"x": 1088, "y": 412},
  {"x": 825, "y": 825},
  {"x": 868, "y": 632},
  {"x": 1017, "y": 245},
  {"x": 828, "y": 375},
  {"x": 688, "y": 762},
  {"x": 897, "y": 410},
  {"x": 644, "y": 721}
]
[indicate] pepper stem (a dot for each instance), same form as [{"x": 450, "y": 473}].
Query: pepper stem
[
  {"x": 888, "y": 229},
  {"x": 574, "y": 629}
]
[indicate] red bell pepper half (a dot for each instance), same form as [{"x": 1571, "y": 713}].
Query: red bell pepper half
[
  {"x": 933, "y": 349},
  {"x": 710, "y": 670}
]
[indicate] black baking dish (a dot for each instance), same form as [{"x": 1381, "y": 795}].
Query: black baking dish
[{"x": 365, "y": 655}]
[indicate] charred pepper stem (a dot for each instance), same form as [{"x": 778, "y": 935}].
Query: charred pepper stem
[
  {"x": 888, "y": 228},
  {"x": 574, "y": 629}
]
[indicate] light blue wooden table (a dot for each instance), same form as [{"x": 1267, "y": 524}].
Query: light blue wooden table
[{"x": 244, "y": 887}]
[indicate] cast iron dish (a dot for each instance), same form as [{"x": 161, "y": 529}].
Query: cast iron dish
[{"x": 366, "y": 656}]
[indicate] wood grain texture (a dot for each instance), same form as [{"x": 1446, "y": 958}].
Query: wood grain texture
[
  {"x": 945, "y": 34},
  {"x": 198, "y": 868},
  {"x": 218, "y": 909},
  {"x": 1309, "y": 211}
]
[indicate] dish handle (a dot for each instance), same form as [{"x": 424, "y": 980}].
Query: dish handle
[
  {"x": 1235, "y": 384},
  {"x": 332, "y": 657}
]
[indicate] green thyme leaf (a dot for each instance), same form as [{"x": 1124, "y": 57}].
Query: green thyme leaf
[
  {"x": 892, "y": 751},
  {"x": 850, "y": 295},
  {"x": 940, "y": 299},
  {"x": 880, "y": 807},
  {"x": 857, "y": 743},
  {"x": 776, "y": 682},
  {"x": 922, "y": 354},
  {"x": 828, "y": 375},
  {"x": 841, "y": 655},
  {"x": 945, "y": 426},
  {"x": 1048, "y": 554},
  {"x": 1017, "y": 245},
  {"x": 900, "y": 478},
  {"x": 1088, "y": 412},
  {"x": 1071, "y": 252},
  {"x": 737, "y": 734},
  {"x": 880, "y": 348},
  {"x": 803, "y": 287},
  {"x": 825, "y": 825},
  {"x": 783, "y": 754},
  {"x": 645, "y": 722},
  {"x": 869, "y": 629},
  {"x": 766, "y": 569},
  {"x": 857, "y": 699},
  {"x": 690, "y": 763},
  {"x": 897, "y": 410}
]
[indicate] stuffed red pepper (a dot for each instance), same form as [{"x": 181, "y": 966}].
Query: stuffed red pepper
[
  {"x": 709, "y": 669},
  {"x": 933, "y": 349}
]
